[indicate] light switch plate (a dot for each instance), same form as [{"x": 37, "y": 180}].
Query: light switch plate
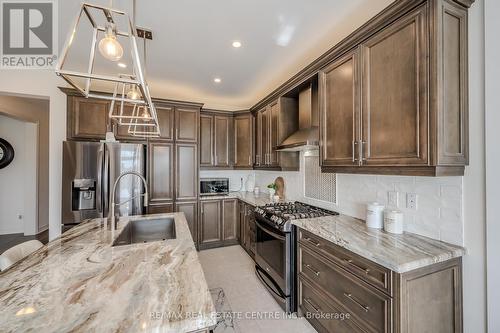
[
  {"x": 392, "y": 200},
  {"x": 411, "y": 201}
]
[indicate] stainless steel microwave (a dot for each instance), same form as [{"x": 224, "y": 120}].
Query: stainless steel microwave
[{"x": 214, "y": 186}]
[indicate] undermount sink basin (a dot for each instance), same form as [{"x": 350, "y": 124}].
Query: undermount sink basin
[{"x": 145, "y": 231}]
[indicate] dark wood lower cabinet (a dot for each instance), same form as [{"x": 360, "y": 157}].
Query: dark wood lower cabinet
[
  {"x": 334, "y": 297},
  {"x": 218, "y": 223},
  {"x": 190, "y": 210},
  {"x": 247, "y": 228}
]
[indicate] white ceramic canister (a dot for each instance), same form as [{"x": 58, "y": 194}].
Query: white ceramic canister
[
  {"x": 375, "y": 215},
  {"x": 393, "y": 221}
]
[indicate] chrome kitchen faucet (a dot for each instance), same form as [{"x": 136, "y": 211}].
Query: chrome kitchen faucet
[{"x": 113, "y": 204}]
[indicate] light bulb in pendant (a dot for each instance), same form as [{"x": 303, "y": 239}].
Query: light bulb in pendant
[
  {"x": 145, "y": 113},
  {"x": 109, "y": 47},
  {"x": 133, "y": 93}
]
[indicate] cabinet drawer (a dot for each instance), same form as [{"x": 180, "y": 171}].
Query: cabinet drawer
[
  {"x": 370, "y": 272},
  {"x": 324, "y": 316},
  {"x": 366, "y": 303}
]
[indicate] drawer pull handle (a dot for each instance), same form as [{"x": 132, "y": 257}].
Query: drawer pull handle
[
  {"x": 315, "y": 307},
  {"x": 312, "y": 270},
  {"x": 350, "y": 262},
  {"x": 364, "y": 307},
  {"x": 311, "y": 241}
]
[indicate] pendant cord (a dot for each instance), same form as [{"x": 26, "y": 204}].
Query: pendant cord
[{"x": 145, "y": 56}]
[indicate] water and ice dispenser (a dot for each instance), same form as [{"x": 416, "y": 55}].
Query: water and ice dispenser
[{"x": 83, "y": 194}]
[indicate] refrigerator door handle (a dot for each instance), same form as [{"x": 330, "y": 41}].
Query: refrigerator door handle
[
  {"x": 99, "y": 202},
  {"x": 105, "y": 183}
]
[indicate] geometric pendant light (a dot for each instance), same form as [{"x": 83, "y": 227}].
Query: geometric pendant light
[{"x": 108, "y": 31}]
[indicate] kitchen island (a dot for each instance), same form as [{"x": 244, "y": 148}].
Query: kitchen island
[{"x": 81, "y": 283}]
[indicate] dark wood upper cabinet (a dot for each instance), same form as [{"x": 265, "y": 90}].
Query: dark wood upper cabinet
[
  {"x": 186, "y": 181},
  {"x": 397, "y": 104},
  {"x": 262, "y": 137},
  {"x": 186, "y": 124},
  {"x": 87, "y": 118},
  {"x": 274, "y": 133},
  {"x": 339, "y": 111},
  {"x": 243, "y": 141},
  {"x": 222, "y": 142},
  {"x": 449, "y": 73},
  {"x": 166, "y": 121},
  {"x": 274, "y": 123},
  {"x": 216, "y": 144},
  {"x": 206, "y": 140},
  {"x": 395, "y": 99}
]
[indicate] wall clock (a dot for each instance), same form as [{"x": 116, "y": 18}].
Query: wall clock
[{"x": 6, "y": 153}]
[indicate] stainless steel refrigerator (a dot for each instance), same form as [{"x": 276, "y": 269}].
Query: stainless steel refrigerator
[{"x": 89, "y": 172}]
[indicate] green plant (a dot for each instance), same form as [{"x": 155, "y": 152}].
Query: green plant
[{"x": 272, "y": 185}]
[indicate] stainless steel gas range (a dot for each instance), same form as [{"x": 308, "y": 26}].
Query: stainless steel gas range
[{"x": 276, "y": 248}]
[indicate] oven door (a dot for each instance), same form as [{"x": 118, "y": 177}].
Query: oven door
[{"x": 271, "y": 254}]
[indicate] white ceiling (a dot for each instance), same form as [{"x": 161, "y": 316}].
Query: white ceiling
[{"x": 192, "y": 43}]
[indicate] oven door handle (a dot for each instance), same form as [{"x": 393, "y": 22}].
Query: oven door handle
[
  {"x": 266, "y": 230},
  {"x": 276, "y": 290}
]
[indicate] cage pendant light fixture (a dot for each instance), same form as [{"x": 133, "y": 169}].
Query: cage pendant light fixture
[
  {"x": 110, "y": 31},
  {"x": 142, "y": 120}
]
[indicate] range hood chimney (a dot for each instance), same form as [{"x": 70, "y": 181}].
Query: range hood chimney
[{"x": 307, "y": 136}]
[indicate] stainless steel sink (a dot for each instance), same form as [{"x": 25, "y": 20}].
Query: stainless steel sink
[{"x": 145, "y": 231}]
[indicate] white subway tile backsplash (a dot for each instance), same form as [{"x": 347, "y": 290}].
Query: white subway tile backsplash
[{"x": 439, "y": 213}]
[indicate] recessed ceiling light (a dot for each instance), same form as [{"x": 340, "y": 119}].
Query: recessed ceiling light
[
  {"x": 236, "y": 44},
  {"x": 122, "y": 65},
  {"x": 217, "y": 80}
]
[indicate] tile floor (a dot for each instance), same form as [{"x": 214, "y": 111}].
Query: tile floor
[{"x": 231, "y": 269}]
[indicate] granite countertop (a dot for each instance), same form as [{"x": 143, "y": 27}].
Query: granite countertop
[
  {"x": 79, "y": 283},
  {"x": 247, "y": 197},
  {"x": 399, "y": 253}
]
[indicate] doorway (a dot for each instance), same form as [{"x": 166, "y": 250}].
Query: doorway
[{"x": 24, "y": 197}]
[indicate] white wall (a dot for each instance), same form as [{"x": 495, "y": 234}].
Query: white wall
[
  {"x": 492, "y": 119},
  {"x": 18, "y": 205},
  {"x": 474, "y": 272},
  {"x": 44, "y": 84},
  {"x": 30, "y": 214}
]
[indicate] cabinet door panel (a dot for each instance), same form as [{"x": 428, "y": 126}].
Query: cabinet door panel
[
  {"x": 187, "y": 172},
  {"x": 166, "y": 122},
  {"x": 264, "y": 136},
  {"x": 221, "y": 136},
  {"x": 89, "y": 118},
  {"x": 243, "y": 141},
  {"x": 339, "y": 111},
  {"x": 163, "y": 208},
  {"x": 274, "y": 128},
  {"x": 395, "y": 109},
  {"x": 186, "y": 121},
  {"x": 206, "y": 140},
  {"x": 190, "y": 210},
  {"x": 210, "y": 221},
  {"x": 229, "y": 219},
  {"x": 161, "y": 172}
]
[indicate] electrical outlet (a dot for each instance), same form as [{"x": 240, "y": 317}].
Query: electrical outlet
[
  {"x": 411, "y": 201},
  {"x": 392, "y": 199}
]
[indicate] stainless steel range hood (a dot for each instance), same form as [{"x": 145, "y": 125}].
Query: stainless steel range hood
[{"x": 307, "y": 136}]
